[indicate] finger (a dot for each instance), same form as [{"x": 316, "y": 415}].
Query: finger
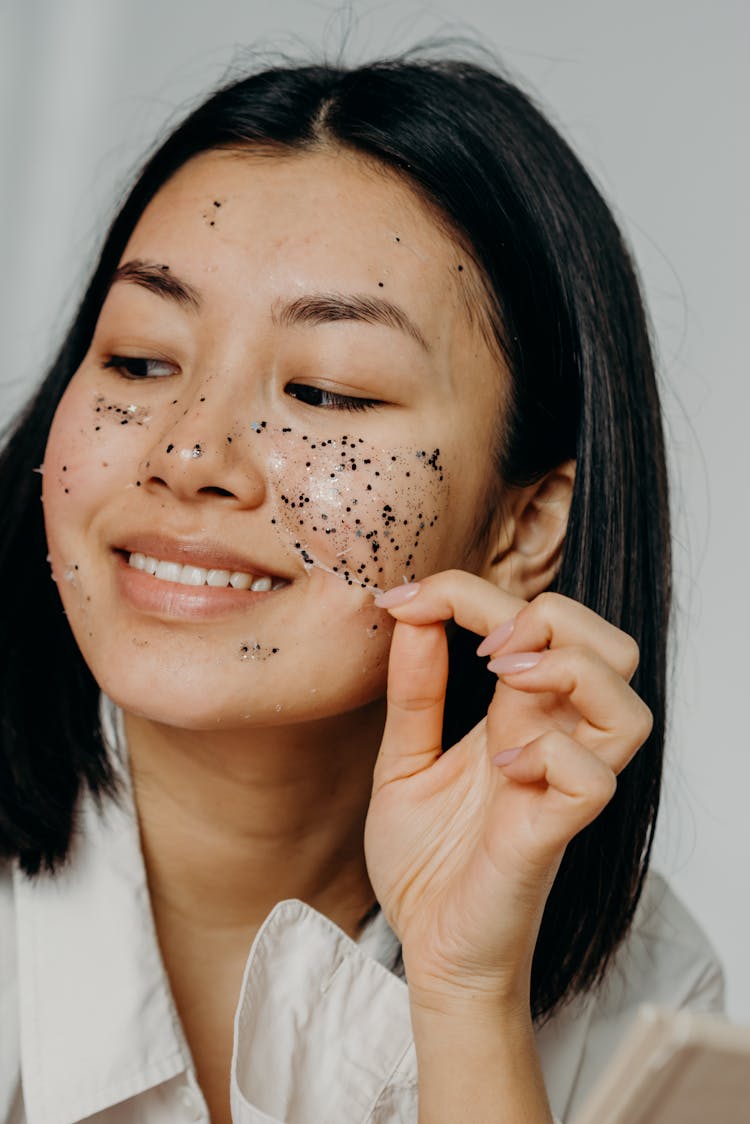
[
  {"x": 552, "y": 620},
  {"x": 471, "y": 601},
  {"x": 579, "y": 784},
  {"x": 417, "y": 679},
  {"x": 615, "y": 721}
]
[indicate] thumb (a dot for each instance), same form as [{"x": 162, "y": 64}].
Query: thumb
[{"x": 417, "y": 679}]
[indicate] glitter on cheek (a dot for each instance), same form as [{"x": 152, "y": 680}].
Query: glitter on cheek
[
  {"x": 362, "y": 513},
  {"x": 71, "y": 575},
  {"x": 118, "y": 413}
]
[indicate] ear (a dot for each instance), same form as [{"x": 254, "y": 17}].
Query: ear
[{"x": 528, "y": 547}]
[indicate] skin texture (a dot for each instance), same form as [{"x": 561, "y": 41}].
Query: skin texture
[{"x": 285, "y": 743}]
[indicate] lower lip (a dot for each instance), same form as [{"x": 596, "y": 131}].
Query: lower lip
[{"x": 174, "y": 601}]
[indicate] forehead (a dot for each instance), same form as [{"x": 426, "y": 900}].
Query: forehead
[{"x": 322, "y": 219}]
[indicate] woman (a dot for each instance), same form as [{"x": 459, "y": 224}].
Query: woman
[{"x": 350, "y": 329}]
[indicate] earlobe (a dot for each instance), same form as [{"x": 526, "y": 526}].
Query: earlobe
[{"x": 529, "y": 545}]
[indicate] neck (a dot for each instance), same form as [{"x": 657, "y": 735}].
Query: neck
[{"x": 233, "y": 822}]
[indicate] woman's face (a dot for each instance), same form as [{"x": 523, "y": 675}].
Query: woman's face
[{"x": 287, "y": 396}]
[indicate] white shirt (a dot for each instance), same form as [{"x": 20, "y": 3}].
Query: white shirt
[{"x": 89, "y": 1029}]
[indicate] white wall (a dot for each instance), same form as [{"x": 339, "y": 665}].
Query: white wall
[{"x": 654, "y": 95}]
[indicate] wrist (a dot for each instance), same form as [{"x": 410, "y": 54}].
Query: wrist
[
  {"x": 495, "y": 997},
  {"x": 436, "y": 1016}
]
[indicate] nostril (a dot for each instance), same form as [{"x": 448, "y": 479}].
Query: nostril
[{"x": 213, "y": 491}]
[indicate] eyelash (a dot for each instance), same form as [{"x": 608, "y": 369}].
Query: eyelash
[
  {"x": 124, "y": 365},
  {"x": 128, "y": 367},
  {"x": 329, "y": 400}
]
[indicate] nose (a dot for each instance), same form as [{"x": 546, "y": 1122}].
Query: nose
[{"x": 202, "y": 455}]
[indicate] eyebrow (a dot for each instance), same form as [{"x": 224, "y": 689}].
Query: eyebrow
[
  {"x": 325, "y": 308},
  {"x": 313, "y": 308},
  {"x": 157, "y": 279}
]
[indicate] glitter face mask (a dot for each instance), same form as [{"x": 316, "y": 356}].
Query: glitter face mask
[{"x": 355, "y": 510}]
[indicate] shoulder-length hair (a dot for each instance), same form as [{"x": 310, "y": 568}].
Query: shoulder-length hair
[{"x": 568, "y": 315}]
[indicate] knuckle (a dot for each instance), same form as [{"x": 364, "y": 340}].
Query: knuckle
[
  {"x": 605, "y": 785},
  {"x": 645, "y": 721},
  {"x": 409, "y": 703},
  {"x": 545, "y": 604},
  {"x": 631, "y": 653},
  {"x": 553, "y": 743}
]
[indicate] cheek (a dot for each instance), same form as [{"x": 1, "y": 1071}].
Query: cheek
[
  {"x": 95, "y": 446},
  {"x": 372, "y": 516}
]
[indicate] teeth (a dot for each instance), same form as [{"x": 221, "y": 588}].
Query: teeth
[
  {"x": 193, "y": 575},
  {"x": 168, "y": 571},
  {"x": 218, "y": 577},
  {"x": 196, "y": 575}
]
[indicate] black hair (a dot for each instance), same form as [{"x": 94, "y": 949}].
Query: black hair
[{"x": 567, "y": 312}]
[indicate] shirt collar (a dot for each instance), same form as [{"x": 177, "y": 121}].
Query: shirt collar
[{"x": 98, "y": 1023}]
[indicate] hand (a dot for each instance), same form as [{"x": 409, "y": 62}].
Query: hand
[{"x": 462, "y": 847}]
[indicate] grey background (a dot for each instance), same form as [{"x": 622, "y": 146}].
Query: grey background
[{"x": 653, "y": 95}]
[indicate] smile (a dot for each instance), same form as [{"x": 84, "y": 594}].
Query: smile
[{"x": 198, "y": 576}]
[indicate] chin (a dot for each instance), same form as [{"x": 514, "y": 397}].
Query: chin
[{"x": 206, "y": 697}]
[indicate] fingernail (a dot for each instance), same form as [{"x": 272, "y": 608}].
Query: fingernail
[
  {"x": 514, "y": 661},
  {"x": 507, "y": 756},
  {"x": 397, "y": 596},
  {"x": 496, "y": 638}
]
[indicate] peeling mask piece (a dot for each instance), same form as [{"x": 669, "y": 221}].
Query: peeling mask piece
[{"x": 355, "y": 510}]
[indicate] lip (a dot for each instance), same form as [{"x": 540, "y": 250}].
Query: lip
[{"x": 174, "y": 601}]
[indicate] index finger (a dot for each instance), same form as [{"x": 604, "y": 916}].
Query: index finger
[
  {"x": 471, "y": 601},
  {"x": 549, "y": 621}
]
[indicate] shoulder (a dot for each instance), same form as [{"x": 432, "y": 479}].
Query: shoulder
[
  {"x": 9, "y": 1017},
  {"x": 667, "y": 958}
]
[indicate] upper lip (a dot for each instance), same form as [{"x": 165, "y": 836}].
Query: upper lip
[{"x": 206, "y": 554}]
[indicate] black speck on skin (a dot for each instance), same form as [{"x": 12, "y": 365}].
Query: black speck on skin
[{"x": 170, "y": 448}]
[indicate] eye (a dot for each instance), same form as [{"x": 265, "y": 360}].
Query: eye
[
  {"x": 137, "y": 367},
  {"x": 327, "y": 400}
]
